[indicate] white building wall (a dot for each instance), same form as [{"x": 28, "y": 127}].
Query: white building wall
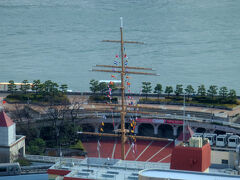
[
  {"x": 4, "y": 136},
  {"x": 11, "y": 134},
  {"x": 9, "y": 154},
  {"x": 14, "y": 150},
  {"x": 218, "y": 156}
]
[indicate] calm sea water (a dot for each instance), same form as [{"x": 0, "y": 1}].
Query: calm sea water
[{"x": 187, "y": 41}]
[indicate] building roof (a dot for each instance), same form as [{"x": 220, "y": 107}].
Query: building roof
[
  {"x": 5, "y": 121},
  {"x": 188, "y": 175},
  {"x": 105, "y": 168}
]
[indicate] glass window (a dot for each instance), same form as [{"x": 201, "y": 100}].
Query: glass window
[
  {"x": 224, "y": 161},
  {"x": 3, "y": 169},
  {"x": 232, "y": 140},
  {"x": 11, "y": 168}
]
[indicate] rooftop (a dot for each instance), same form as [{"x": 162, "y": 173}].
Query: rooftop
[
  {"x": 186, "y": 175},
  {"x": 106, "y": 168},
  {"x": 5, "y": 121}
]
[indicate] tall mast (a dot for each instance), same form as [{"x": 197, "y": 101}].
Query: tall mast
[
  {"x": 123, "y": 96},
  {"x": 123, "y": 73}
]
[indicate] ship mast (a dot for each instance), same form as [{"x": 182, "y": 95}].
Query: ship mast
[
  {"x": 123, "y": 112},
  {"x": 123, "y": 73}
]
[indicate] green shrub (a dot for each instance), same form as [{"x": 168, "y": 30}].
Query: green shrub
[
  {"x": 38, "y": 98},
  {"x": 23, "y": 161},
  {"x": 78, "y": 146},
  {"x": 102, "y": 99},
  {"x": 36, "y": 146}
]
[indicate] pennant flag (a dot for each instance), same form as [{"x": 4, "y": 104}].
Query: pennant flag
[
  {"x": 3, "y": 101},
  {"x": 127, "y": 77},
  {"x": 115, "y": 62},
  {"x": 125, "y": 55},
  {"x": 133, "y": 146},
  {"x": 98, "y": 146},
  {"x": 128, "y": 83},
  {"x": 104, "y": 117},
  {"x": 113, "y": 76},
  {"x": 102, "y": 123},
  {"x": 117, "y": 56},
  {"x": 111, "y": 83}
]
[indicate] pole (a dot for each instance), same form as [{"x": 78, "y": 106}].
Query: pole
[
  {"x": 184, "y": 123},
  {"x": 123, "y": 97}
]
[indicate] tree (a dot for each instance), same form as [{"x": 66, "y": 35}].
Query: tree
[
  {"x": 189, "y": 90},
  {"x": 146, "y": 88},
  {"x": 212, "y": 91},
  {"x": 36, "y": 85},
  {"x": 102, "y": 87},
  {"x": 51, "y": 88},
  {"x": 158, "y": 89},
  {"x": 232, "y": 95},
  {"x": 94, "y": 86},
  {"x": 36, "y": 146},
  {"x": 64, "y": 88},
  {"x": 25, "y": 86},
  {"x": 56, "y": 115},
  {"x": 47, "y": 86},
  {"x": 179, "y": 89},
  {"x": 201, "y": 90},
  {"x": 223, "y": 92},
  {"x": 169, "y": 90},
  {"x": 12, "y": 87}
]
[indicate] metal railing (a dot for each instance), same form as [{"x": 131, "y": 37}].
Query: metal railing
[{"x": 51, "y": 159}]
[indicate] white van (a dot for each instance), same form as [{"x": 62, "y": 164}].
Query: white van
[
  {"x": 221, "y": 140},
  {"x": 211, "y": 137},
  {"x": 233, "y": 141}
]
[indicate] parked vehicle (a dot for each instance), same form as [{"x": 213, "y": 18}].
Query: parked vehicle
[
  {"x": 222, "y": 140},
  {"x": 9, "y": 169},
  {"x": 198, "y": 135},
  {"x": 211, "y": 137},
  {"x": 233, "y": 141}
]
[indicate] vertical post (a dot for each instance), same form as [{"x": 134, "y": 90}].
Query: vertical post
[
  {"x": 184, "y": 129},
  {"x": 123, "y": 97}
]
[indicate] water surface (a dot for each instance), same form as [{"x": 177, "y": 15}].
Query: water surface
[{"x": 187, "y": 42}]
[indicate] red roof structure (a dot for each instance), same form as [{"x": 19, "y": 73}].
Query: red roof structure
[
  {"x": 191, "y": 158},
  {"x": 5, "y": 121},
  {"x": 188, "y": 134}
]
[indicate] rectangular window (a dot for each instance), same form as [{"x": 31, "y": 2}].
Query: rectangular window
[
  {"x": 3, "y": 169},
  {"x": 224, "y": 161}
]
